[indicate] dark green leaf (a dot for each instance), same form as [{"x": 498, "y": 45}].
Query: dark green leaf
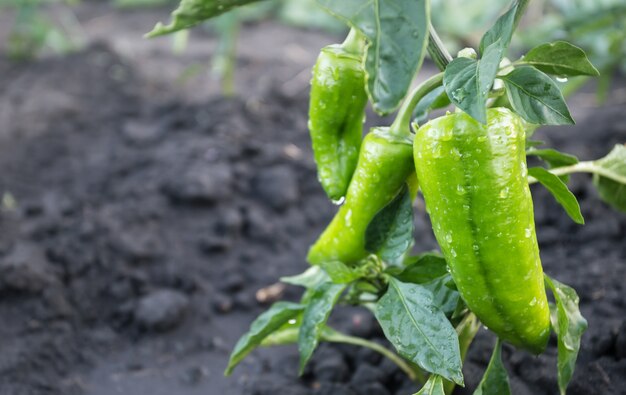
[
  {"x": 274, "y": 318},
  {"x": 461, "y": 83},
  {"x": 390, "y": 233},
  {"x": 437, "y": 98},
  {"x": 418, "y": 330},
  {"x": 434, "y": 386},
  {"x": 340, "y": 273},
  {"x": 397, "y": 32},
  {"x": 536, "y": 97},
  {"x": 611, "y": 191},
  {"x": 445, "y": 298},
  {"x": 495, "y": 380},
  {"x": 493, "y": 46},
  {"x": 423, "y": 268},
  {"x": 571, "y": 326},
  {"x": 488, "y": 67},
  {"x": 318, "y": 309},
  {"x": 560, "y": 58},
  {"x": 553, "y": 157},
  {"x": 501, "y": 32},
  {"x": 192, "y": 12},
  {"x": 559, "y": 190}
]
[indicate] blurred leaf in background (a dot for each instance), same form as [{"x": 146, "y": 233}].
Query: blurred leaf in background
[
  {"x": 598, "y": 27},
  {"x": 35, "y": 30}
]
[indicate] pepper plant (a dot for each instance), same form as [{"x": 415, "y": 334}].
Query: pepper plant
[{"x": 470, "y": 166}]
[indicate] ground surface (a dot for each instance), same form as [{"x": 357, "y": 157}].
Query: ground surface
[{"x": 141, "y": 216}]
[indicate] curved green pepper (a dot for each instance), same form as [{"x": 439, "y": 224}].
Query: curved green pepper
[
  {"x": 384, "y": 165},
  {"x": 336, "y": 113},
  {"x": 474, "y": 181}
]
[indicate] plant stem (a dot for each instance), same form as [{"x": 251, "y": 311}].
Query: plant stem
[
  {"x": 336, "y": 337},
  {"x": 436, "y": 49},
  {"x": 402, "y": 124},
  {"x": 584, "y": 167},
  {"x": 354, "y": 42}
]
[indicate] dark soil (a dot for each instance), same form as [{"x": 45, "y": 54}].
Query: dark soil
[{"x": 136, "y": 233}]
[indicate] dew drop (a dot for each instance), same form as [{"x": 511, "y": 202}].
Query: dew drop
[{"x": 339, "y": 202}]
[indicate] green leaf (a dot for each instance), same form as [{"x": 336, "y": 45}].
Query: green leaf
[
  {"x": 613, "y": 192},
  {"x": 495, "y": 380},
  {"x": 319, "y": 306},
  {"x": 340, "y": 273},
  {"x": 445, "y": 298},
  {"x": 501, "y": 32},
  {"x": 536, "y": 97},
  {"x": 397, "y": 32},
  {"x": 559, "y": 190},
  {"x": 277, "y": 315},
  {"x": 435, "y": 99},
  {"x": 423, "y": 268},
  {"x": 571, "y": 326},
  {"x": 192, "y": 12},
  {"x": 493, "y": 46},
  {"x": 434, "y": 386},
  {"x": 418, "y": 330},
  {"x": 553, "y": 157},
  {"x": 310, "y": 278},
  {"x": 560, "y": 58},
  {"x": 460, "y": 80},
  {"x": 390, "y": 233}
]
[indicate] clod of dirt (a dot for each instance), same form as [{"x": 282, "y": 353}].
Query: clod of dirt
[
  {"x": 25, "y": 269},
  {"x": 277, "y": 187},
  {"x": 200, "y": 184},
  {"x": 161, "y": 310}
]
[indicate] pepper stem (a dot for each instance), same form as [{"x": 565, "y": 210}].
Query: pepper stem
[
  {"x": 401, "y": 126},
  {"x": 354, "y": 42}
]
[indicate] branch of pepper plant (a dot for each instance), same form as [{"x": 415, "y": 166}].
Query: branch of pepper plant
[{"x": 584, "y": 167}]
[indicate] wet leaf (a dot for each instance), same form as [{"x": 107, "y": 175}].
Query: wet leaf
[
  {"x": 390, "y": 233},
  {"x": 318, "y": 308},
  {"x": 560, "y": 58},
  {"x": 611, "y": 191},
  {"x": 273, "y": 319},
  {"x": 536, "y": 97},
  {"x": 434, "y": 386},
  {"x": 559, "y": 190},
  {"x": 397, "y": 32},
  {"x": 192, "y": 12},
  {"x": 495, "y": 380},
  {"x": 570, "y": 326},
  {"x": 418, "y": 330},
  {"x": 461, "y": 83},
  {"x": 423, "y": 268}
]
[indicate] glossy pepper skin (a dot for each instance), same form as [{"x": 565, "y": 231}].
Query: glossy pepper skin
[
  {"x": 336, "y": 113},
  {"x": 385, "y": 163},
  {"x": 474, "y": 181}
]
